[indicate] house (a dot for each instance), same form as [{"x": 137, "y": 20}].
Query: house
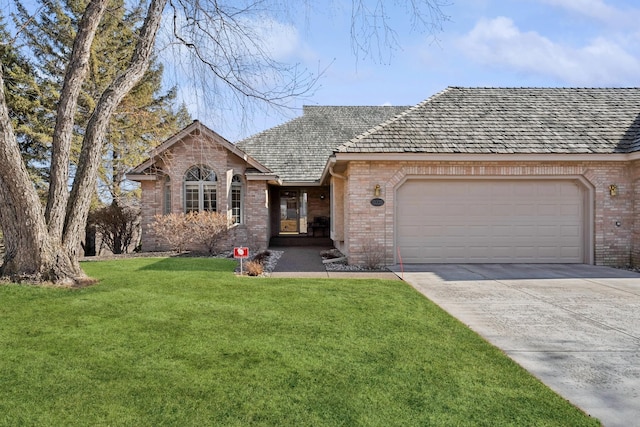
[
  {"x": 269, "y": 183},
  {"x": 496, "y": 175}
]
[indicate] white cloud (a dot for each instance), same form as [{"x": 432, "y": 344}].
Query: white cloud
[
  {"x": 500, "y": 43},
  {"x": 600, "y": 11},
  {"x": 281, "y": 40}
]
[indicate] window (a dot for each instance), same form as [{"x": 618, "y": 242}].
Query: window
[
  {"x": 236, "y": 200},
  {"x": 166, "y": 205},
  {"x": 200, "y": 190}
]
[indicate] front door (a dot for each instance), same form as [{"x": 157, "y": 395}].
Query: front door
[{"x": 289, "y": 212}]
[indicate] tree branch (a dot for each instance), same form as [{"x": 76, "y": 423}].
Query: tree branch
[{"x": 226, "y": 42}]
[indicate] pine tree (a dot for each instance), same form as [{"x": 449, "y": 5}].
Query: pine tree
[
  {"x": 144, "y": 118},
  {"x": 27, "y": 112}
]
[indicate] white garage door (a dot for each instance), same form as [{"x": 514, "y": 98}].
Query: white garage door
[{"x": 493, "y": 221}]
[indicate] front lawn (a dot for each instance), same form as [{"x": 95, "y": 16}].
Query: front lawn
[{"x": 184, "y": 342}]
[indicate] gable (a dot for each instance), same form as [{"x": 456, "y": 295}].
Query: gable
[{"x": 195, "y": 136}]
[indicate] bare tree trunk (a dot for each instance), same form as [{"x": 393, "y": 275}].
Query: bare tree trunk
[
  {"x": 86, "y": 175},
  {"x": 63, "y": 132},
  {"x": 34, "y": 250},
  {"x": 30, "y": 252}
]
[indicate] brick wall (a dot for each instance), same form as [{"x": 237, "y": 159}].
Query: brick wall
[
  {"x": 634, "y": 172},
  {"x": 175, "y": 162},
  {"x": 317, "y": 202},
  {"x": 151, "y": 204},
  {"x": 256, "y": 213},
  {"x": 367, "y": 225}
]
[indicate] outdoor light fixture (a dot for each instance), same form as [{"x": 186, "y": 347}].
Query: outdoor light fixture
[
  {"x": 376, "y": 191},
  {"x": 613, "y": 190}
]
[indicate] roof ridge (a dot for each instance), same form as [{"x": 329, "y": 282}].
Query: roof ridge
[
  {"x": 386, "y": 123},
  {"x": 547, "y": 87},
  {"x": 352, "y": 106},
  {"x": 304, "y": 108}
]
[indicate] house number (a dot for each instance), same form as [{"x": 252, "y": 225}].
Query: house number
[{"x": 377, "y": 202}]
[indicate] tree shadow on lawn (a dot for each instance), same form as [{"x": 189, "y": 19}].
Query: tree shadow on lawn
[{"x": 192, "y": 264}]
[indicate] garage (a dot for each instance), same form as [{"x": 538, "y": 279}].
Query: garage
[{"x": 492, "y": 221}]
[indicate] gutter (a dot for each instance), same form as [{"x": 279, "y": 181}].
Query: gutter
[
  {"x": 328, "y": 169},
  {"x": 488, "y": 157},
  {"x": 335, "y": 174}
]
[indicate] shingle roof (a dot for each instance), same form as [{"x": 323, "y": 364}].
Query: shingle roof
[
  {"x": 511, "y": 120},
  {"x": 298, "y": 150}
]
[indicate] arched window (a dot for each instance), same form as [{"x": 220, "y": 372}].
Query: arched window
[
  {"x": 237, "y": 207},
  {"x": 166, "y": 203},
  {"x": 200, "y": 190}
]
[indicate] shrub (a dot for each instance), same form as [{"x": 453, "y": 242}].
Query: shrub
[
  {"x": 117, "y": 225},
  {"x": 373, "y": 253},
  {"x": 208, "y": 228},
  {"x": 254, "y": 268},
  {"x": 174, "y": 229},
  {"x": 179, "y": 229}
]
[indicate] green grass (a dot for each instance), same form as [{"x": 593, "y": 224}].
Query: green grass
[{"x": 184, "y": 342}]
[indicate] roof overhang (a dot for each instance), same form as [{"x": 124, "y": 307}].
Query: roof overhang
[
  {"x": 301, "y": 184},
  {"x": 337, "y": 162},
  {"x": 271, "y": 178},
  {"x": 141, "y": 177}
]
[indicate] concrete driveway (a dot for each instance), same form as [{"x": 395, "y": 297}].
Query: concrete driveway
[{"x": 575, "y": 327}]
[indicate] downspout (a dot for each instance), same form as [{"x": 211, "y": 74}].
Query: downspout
[
  {"x": 337, "y": 175},
  {"x": 333, "y": 231}
]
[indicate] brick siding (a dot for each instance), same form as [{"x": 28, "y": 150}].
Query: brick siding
[
  {"x": 357, "y": 225},
  {"x": 634, "y": 179},
  {"x": 175, "y": 162},
  {"x": 366, "y": 225}
]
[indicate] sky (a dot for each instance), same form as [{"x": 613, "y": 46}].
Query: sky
[{"x": 483, "y": 43}]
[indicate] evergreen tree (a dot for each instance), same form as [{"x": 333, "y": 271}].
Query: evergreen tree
[
  {"x": 27, "y": 112},
  {"x": 144, "y": 118}
]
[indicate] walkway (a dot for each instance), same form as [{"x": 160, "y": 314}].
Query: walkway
[{"x": 306, "y": 262}]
